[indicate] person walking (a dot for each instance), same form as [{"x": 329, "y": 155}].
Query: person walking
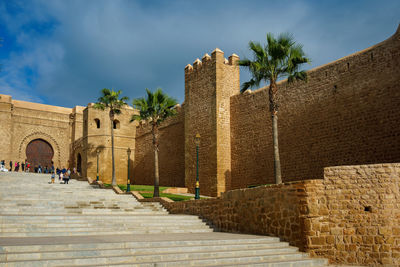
[
  {"x": 23, "y": 166},
  {"x": 16, "y": 167},
  {"x": 67, "y": 175},
  {"x": 10, "y": 166},
  {"x": 52, "y": 177},
  {"x": 66, "y": 178},
  {"x": 39, "y": 169}
]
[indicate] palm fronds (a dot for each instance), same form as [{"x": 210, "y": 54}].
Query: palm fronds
[{"x": 281, "y": 57}]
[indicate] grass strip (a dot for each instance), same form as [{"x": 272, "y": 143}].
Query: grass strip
[{"x": 170, "y": 196}]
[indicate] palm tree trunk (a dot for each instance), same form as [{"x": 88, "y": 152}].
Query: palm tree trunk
[
  {"x": 156, "y": 174},
  {"x": 114, "y": 180},
  {"x": 274, "y": 114}
]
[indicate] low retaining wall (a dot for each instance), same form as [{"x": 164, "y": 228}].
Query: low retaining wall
[{"x": 351, "y": 216}]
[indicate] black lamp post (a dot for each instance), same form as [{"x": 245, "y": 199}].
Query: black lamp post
[
  {"x": 128, "y": 182},
  {"x": 197, "y": 189},
  {"x": 98, "y": 152}
]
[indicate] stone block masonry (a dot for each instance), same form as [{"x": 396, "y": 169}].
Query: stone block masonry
[
  {"x": 171, "y": 153},
  {"x": 209, "y": 84},
  {"x": 346, "y": 114},
  {"x": 351, "y": 216},
  {"x": 23, "y": 122}
]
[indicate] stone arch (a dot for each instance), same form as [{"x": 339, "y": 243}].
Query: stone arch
[{"x": 46, "y": 137}]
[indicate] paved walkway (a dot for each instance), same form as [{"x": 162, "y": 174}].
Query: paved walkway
[{"x": 77, "y": 224}]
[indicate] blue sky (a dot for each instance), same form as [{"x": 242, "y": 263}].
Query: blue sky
[{"x": 64, "y": 52}]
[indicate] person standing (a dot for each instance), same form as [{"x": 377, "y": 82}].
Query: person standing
[
  {"x": 10, "y": 166},
  {"x": 23, "y": 166},
  {"x": 52, "y": 177},
  {"x": 67, "y": 175},
  {"x": 16, "y": 167}
]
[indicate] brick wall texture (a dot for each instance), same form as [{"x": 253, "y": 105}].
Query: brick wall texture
[
  {"x": 209, "y": 84},
  {"x": 23, "y": 122},
  {"x": 346, "y": 114},
  {"x": 351, "y": 216},
  {"x": 171, "y": 153}
]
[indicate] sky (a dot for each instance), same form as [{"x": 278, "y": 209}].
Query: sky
[{"x": 64, "y": 52}]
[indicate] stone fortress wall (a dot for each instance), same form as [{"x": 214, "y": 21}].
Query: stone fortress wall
[
  {"x": 95, "y": 138},
  {"x": 171, "y": 153},
  {"x": 346, "y": 114},
  {"x": 350, "y": 216},
  {"x": 72, "y": 134},
  {"x": 23, "y": 122}
]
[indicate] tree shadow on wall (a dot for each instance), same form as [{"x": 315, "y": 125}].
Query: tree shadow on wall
[
  {"x": 228, "y": 180},
  {"x": 92, "y": 154}
]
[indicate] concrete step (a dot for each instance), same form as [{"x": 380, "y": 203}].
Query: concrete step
[
  {"x": 94, "y": 217},
  {"x": 73, "y": 224},
  {"x": 263, "y": 241},
  {"x": 210, "y": 258},
  {"x": 58, "y": 228},
  {"x": 92, "y": 232},
  {"x": 315, "y": 262},
  {"x": 103, "y": 212},
  {"x": 79, "y": 225},
  {"x": 270, "y": 248}
]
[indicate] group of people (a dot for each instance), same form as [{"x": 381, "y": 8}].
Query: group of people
[
  {"x": 63, "y": 174},
  {"x": 25, "y": 167}
]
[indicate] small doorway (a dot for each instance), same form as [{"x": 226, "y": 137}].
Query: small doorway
[{"x": 79, "y": 163}]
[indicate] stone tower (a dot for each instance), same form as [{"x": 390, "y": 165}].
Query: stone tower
[
  {"x": 97, "y": 135},
  {"x": 209, "y": 84}
]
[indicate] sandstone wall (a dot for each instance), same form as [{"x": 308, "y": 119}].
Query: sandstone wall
[
  {"x": 209, "y": 84},
  {"x": 26, "y": 121},
  {"x": 171, "y": 153},
  {"x": 272, "y": 210},
  {"x": 5, "y": 129},
  {"x": 355, "y": 216},
  {"x": 100, "y": 138},
  {"x": 351, "y": 216},
  {"x": 347, "y": 113}
]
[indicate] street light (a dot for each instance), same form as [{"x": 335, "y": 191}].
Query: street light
[
  {"x": 128, "y": 182},
  {"x": 98, "y": 152},
  {"x": 197, "y": 189}
]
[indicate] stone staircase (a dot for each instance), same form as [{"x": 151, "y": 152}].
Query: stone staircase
[{"x": 81, "y": 225}]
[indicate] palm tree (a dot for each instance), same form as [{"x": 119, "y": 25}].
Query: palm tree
[
  {"x": 279, "y": 58},
  {"x": 154, "y": 109},
  {"x": 110, "y": 100}
]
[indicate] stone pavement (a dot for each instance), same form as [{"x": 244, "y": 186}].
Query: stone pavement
[{"x": 80, "y": 225}]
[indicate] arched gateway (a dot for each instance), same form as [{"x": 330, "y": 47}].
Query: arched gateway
[{"x": 39, "y": 152}]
